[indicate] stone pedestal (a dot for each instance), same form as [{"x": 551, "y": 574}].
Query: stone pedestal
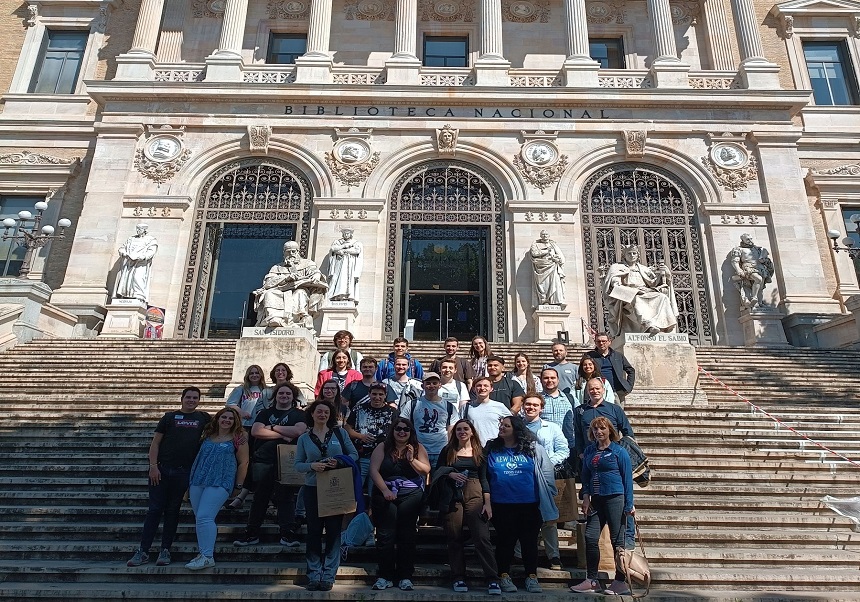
[
  {"x": 125, "y": 319},
  {"x": 135, "y": 67},
  {"x": 759, "y": 75},
  {"x": 295, "y": 346},
  {"x": 224, "y": 67},
  {"x": 548, "y": 320},
  {"x": 492, "y": 73},
  {"x": 403, "y": 71},
  {"x": 25, "y": 305},
  {"x": 337, "y": 315},
  {"x": 670, "y": 74},
  {"x": 581, "y": 73},
  {"x": 313, "y": 70},
  {"x": 666, "y": 368},
  {"x": 762, "y": 327}
]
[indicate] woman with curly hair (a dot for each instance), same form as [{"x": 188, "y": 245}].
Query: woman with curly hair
[
  {"x": 522, "y": 488},
  {"x": 463, "y": 461},
  {"x": 398, "y": 469},
  {"x": 219, "y": 468}
]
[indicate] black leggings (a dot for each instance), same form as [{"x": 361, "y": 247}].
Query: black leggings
[
  {"x": 604, "y": 510},
  {"x": 517, "y": 522},
  {"x": 396, "y": 525}
]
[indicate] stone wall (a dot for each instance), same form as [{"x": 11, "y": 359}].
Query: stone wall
[{"x": 12, "y": 25}]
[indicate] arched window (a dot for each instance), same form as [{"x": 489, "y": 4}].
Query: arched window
[{"x": 632, "y": 203}]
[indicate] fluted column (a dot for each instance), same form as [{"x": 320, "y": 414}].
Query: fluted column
[
  {"x": 719, "y": 39},
  {"x": 664, "y": 32},
  {"x": 233, "y": 27},
  {"x": 749, "y": 36},
  {"x": 491, "y": 30},
  {"x": 580, "y": 70},
  {"x": 406, "y": 29},
  {"x": 170, "y": 49},
  {"x": 146, "y": 31},
  {"x": 319, "y": 29}
]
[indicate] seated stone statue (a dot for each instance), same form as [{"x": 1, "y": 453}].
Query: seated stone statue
[
  {"x": 292, "y": 292},
  {"x": 639, "y": 299}
]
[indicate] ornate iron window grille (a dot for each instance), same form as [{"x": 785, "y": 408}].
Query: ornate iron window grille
[
  {"x": 453, "y": 193},
  {"x": 265, "y": 191},
  {"x": 631, "y": 203}
]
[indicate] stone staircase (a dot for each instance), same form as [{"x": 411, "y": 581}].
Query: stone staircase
[{"x": 734, "y": 505}]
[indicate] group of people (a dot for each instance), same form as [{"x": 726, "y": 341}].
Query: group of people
[{"x": 477, "y": 444}]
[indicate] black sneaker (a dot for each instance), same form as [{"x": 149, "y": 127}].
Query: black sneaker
[
  {"x": 290, "y": 540},
  {"x": 248, "y": 540}
]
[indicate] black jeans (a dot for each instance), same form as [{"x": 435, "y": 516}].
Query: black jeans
[
  {"x": 605, "y": 510},
  {"x": 165, "y": 499},
  {"x": 285, "y": 503},
  {"x": 517, "y": 522},
  {"x": 396, "y": 525}
]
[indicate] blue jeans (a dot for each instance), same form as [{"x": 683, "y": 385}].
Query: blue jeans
[
  {"x": 321, "y": 568},
  {"x": 206, "y": 502},
  {"x": 165, "y": 499},
  {"x": 605, "y": 510}
]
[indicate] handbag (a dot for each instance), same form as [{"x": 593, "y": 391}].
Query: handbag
[
  {"x": 638, "y": 460},
  {"x": 634, "y": 564}
]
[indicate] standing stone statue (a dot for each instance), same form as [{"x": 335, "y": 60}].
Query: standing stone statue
[
  {"x": 136, "y": 253},
  {"x": 292, "y": 292},
  {"x": 548, "y": 265},
  {"x": 638, "y": 298},
  {"x": 753, "y": 269},
  {"x": 344, "y": 268}
]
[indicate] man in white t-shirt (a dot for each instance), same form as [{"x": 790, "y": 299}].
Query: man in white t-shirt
[
  {"x": 452, "y": 389},
  {"x": 432, "y": 417},
  {"x": 485, "y": 414}
]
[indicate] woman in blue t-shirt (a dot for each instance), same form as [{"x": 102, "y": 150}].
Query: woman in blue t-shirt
[
  {"x": 522, "y": 488},
  {"x": 607, "y": 498}
]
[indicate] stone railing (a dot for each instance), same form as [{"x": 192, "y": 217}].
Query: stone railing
[
  {"x": 526, "y": 78},
  {"x": 450, "y": 76},
  {"x": 715, "y": 80},
  {"x": 624, "y": 78},
  {"x": 182, "y": 72},
  {"x": 270, "y": 74},
  {"x": 366, "y": 76}
]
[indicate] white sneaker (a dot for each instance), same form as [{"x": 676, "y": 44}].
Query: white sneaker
[
  {"x": 200, "y": 562},
  {"x": 382, "y": 584}
]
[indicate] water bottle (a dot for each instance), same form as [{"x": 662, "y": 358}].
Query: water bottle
[{"x": 465, "y": 474}]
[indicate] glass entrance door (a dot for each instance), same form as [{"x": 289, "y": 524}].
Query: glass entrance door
[
  {"x": 445, "y": 281},
  {"x": 243, "y": 254}
]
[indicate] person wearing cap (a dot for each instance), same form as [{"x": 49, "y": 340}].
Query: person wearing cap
[{"x": 432, "y": 416}]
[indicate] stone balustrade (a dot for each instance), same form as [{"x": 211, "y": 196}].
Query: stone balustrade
[{"x": 181, "y": 72}]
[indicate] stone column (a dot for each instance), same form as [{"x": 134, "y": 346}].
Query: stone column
[
  {"x": 491, "y": 68},
  {"x": 139, "y": 62},
  {"x": 755, "y": 70},
  {"x": 225, "y": 65},
  {"x": 148, "y": 24},
  {"x": 799, "y": 276},
  {"x": 170, "y": 49},
  {"x": 403, "y": 67},
  {"x": 314, "y": 67},
  {"x": 579, "y": 68},
  {"x": 719, "y": 40},
  {"x": 667, "y": 70}
]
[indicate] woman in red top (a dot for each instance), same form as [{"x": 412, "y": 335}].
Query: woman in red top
[{"x": 340, "y": 370}]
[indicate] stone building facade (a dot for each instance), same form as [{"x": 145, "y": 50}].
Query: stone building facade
[{"x": 447, "y": 134}]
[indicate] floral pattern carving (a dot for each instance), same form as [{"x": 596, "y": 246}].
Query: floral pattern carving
[
  {"x": 684, "y": 12},
  {"x": 447, "y": 11},
  {"x": 157, "y": 171},
  {"x": 28, "y": 158},
  {"x": 733, "y": 179},
  {"x": 369, "y": 10},
  {"x": 634, "y": 142},
  {"x": 258, "y": 137},
  {"x": 351, "y": 174},
  {"x": 842, "y": 170},
  {"x": 601, "y": 12},
  {"x": 208, "y": 8},
  {"x": 289, "y": 9},
  {"x": 541, "y": 177},
  {"x": 525, "y": 11}
]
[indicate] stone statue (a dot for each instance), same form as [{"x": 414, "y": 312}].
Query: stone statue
[
  {"x": 344, "y": 268},
  {"x": 638, "y": 298},
  {"x": 136, "y": 254},
  {"x": 753, "y": 269},
  {"x": 548, "y": 266},
  {"x": 292, "y": 292},
  {"x": 446, "y": 140}
]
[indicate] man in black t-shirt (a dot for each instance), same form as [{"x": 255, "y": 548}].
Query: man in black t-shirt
[
  {"x": 281, "y": 424},
  {"x": 505, "y": 389},
  {"x": 171, "y": 454},
  {"x": 358, "y": 391}
]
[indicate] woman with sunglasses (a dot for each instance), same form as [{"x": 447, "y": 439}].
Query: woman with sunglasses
[
  {"x": 398, "y": 468},
  {"x": 316, "y": 452},
  {"x": 463, "y": 465}
]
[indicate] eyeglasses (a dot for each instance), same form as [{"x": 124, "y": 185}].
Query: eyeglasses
[{"x": 402, "y": 429}]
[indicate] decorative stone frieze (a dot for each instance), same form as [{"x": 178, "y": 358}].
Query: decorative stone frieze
[
  {"x": 369, "y": 10},
  {"x": 740, "y": 219},
  {"x": 540, "y": 162},
  {"x": 351, "y": 160},
  {"x": 525, "y": 11},
  {"x": 28, "y": 158},
  {"x": 258, "y": 138},
  {"x": 732, "y": 165},
  {"x": 446, "y": 140},
  {"x": 634, "y": 142},
  {"x": 447, "y": 11},
  {"x": 684, "y": 12},
  {"x": 842, "y": 170},
  {"x": 600, "y": 12},
  {"x": 289, "y": 9},
  {"x": 208, "y": 8},
  {"x": 162, "y": 154}
]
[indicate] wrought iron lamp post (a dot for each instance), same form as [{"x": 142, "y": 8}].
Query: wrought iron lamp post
[
  {"x": 33, "y": 236},
  {"x": 850, "y": 244}
]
